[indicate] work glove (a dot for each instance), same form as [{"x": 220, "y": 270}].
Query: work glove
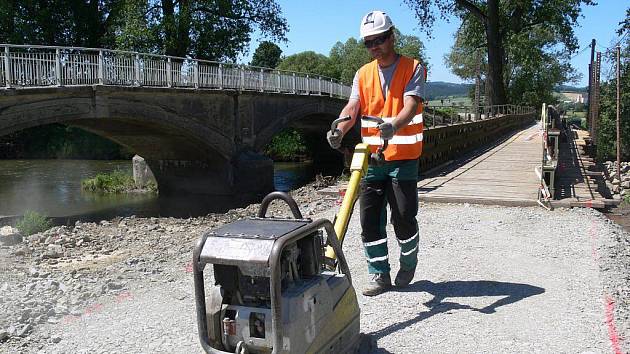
[
  {"x": 387, "y": 130},
  {"x": 334, "y": 138}
]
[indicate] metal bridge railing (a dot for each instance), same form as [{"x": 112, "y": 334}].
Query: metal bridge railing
[{"x": 38, "y": 66}]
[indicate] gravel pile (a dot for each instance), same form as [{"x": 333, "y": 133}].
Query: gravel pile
[
  {"x": 620, "y": 188},
  {"x": 56, "y": 277},
  {"x": 495, "y": 279}
]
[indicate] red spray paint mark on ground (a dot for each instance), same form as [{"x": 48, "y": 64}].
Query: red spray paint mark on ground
[
  {"x": 610, "y": 322},
  {"x": 609, "y": 303},
  {"x": 189, "y": 268},
  {"x": 95, "y": 308}
]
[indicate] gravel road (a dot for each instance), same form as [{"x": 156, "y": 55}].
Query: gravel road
[{"x": 490, "y": 280}]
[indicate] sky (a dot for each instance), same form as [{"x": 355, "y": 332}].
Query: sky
[{"x": 318, "y": 25}]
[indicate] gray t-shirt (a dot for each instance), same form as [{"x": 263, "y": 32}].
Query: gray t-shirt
[{"x": 415, "y": 86}]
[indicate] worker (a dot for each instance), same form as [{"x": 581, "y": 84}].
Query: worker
[{"x": 390, "y": 87}]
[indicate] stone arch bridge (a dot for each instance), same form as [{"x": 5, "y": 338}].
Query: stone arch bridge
[{"x": 200, "y": 125}]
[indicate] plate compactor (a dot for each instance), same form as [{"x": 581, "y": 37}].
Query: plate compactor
[{"x": 279, "y": 286}]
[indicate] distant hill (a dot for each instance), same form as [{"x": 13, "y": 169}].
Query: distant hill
[
  {"x": 439, "y": 89},
  {"x": 567, "y": 88}
]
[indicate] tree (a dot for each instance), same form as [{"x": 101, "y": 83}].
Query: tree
[
  {"x": 57, "y": 22},
  {"x": 213, "y": 29},
  {"x": 267, "y": 55},
  {"x": 607, "y": 125},
  {"x": 499, "y": 21},
  {"x": 346, "y": 58},
  {"x": 533, "y": 66},
  {"x": 206, "y": 29},
  {"x": 308, "y": 62}
]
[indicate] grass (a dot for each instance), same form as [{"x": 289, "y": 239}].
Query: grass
[
  {"x": 32, "y": 223},
  {"x": 113, "y": 182},
  {"x": 451, "y": 101}
]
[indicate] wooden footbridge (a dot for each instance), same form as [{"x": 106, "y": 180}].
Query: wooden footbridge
[{"x": 544, "y": 164}]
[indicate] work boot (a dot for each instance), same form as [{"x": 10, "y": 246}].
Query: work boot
[
  {"x": 381, "y": 282},
  {"x": 404, "y": 277}
]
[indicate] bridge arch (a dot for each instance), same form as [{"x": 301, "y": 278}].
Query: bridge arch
[{"x": 196, "y": 141}]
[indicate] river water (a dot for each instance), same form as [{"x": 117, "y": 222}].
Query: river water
[{"x": 53, "y": 188}]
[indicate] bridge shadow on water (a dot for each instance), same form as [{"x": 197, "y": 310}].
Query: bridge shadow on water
[{"x": 510, "y": 292}]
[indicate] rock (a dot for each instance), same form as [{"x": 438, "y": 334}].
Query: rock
[
  {"x": 25, "y": 330},
  {"x": 4, "y": 335},
  {"x": 142, "y": 174},
  {"x": 26, "y": 315},
  {"x": 114, "y": 285},
  {"x": 33, "y": 272},
  {"x": 625, "y": 184},
  {"x": 55, "y": 339},
  {"x": 54, "y": 251},
  {"x": 615, "y": 181},
  {"x": 35, "y": 238},
  {"x": 22, "y": 251},
  {"x": 10, "y": 236}
]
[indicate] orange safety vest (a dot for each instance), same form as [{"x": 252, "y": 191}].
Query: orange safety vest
[{"x": 407, "y": 142}]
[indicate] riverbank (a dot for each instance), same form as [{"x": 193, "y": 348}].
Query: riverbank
[{"x": 125, "y": 285}]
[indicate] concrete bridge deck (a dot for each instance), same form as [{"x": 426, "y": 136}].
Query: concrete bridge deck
[{"x": 503, "y": 174}]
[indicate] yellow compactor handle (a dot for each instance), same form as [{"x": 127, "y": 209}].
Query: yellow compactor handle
[{"x": 358, "y": 168}]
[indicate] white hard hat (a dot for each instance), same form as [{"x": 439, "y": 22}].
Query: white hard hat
[{"x": 375, "y": 22}]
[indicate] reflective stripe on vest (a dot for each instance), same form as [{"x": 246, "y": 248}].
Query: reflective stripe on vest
[
  {"x": 396, "y": 140},
  {"x": 407, "y": 142},
  {"x": 417, "y": 119}
]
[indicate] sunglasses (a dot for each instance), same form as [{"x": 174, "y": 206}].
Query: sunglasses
[{"x": 376, "y": 41}]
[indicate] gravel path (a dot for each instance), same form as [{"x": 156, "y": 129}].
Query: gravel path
[{"x": 490, "y": 279}]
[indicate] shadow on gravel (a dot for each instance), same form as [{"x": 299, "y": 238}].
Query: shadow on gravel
[{"x": 512, "y": 293}]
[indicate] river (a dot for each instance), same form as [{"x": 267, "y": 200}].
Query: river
[{"x": 53, "y": 188}]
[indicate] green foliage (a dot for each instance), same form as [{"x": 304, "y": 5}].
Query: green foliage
[
  {"x": 113, "y": 182},
  {"x": 57, "y": 22},
  {"x": 214, "y": 30},
  {"x": 526, "y": 43},
  {"x": 289, "y": 145},
  {"x": 410, "y": 46},
  {"x": 206, "y": 29},
  {"x": 32, "y": 223},
  {"x": 267, "y": 55},
  {"x": 607, "y": 126},
  {"x": 346, "y": 58},
  {"x": 58, "y": 141},
  {"x": 308, "y": 62},
  {"x": 133, "y": 29}
]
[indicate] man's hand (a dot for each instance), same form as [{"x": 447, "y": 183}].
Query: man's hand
[
  {"x": 334, "y": 138},
  {"x": 387, "y": 130}
]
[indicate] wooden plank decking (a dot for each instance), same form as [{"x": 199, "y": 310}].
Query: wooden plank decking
[{"x": 503, "y": 175}]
